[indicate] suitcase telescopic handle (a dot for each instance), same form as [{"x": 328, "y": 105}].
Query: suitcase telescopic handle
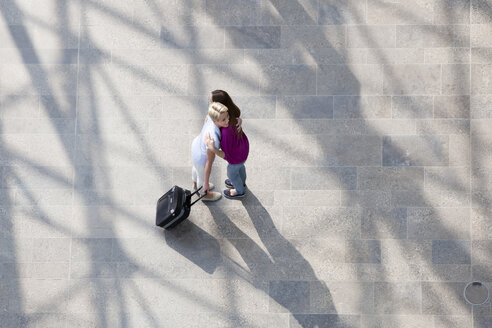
[{"x": 196, "y": 191}]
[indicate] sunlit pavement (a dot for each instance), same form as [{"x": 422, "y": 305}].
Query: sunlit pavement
[{"x": 369, "y": 174}]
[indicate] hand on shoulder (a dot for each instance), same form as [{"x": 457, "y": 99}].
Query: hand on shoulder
[{"x": 209, "y": 142}]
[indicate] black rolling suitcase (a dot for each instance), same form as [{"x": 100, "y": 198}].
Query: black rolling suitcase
[{"x": 174, "y": 207}]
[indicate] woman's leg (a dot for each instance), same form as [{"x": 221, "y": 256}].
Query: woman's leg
[
  {"x": 235, "y": 177},
  {"x": 200, "y": 174},
  {"x": 194, "y": 177},
  {"x": 242, "y": 173}
]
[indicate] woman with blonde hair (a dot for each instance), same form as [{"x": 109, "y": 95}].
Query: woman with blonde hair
[{"x": 203, "y": 158}]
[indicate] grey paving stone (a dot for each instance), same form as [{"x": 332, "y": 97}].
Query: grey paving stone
[
  {"x": 483, "y": 322},
  {"x": 459, "y": 152},
  {"x": 481, "y": 199},
  {"x": 433, "y": 295},
  {"x": 289, "y": 296},
  {"x": 480, "y": 220},
  {"x": 362, "y": 107},
  {"x": 36, "y": 79},
  {"x": 453, "y": 321},
  {"x": 451, "y": 252},
  {"x": 307, "y": 198},
  {"x": 169, "y": 56},
  {"x": 324, "y": 320},
  {"x": 234, "y": 12},
  {"x": 183, "y": 37},
  {"x": 330, "y": 56},
  {"x": 382, "y": 36},
  {"x": 304, "y": 107},
  {"x": 51, "y": 250},
  {"x": 481, "y": 55},
  {"x": 363, "y": 251},
  {"x": 454, "y": 81},
  {"x": 363, "y": 198},
  {"x": 480, "y": 79},
  {"x": 351, "y": 151},
  {"x": 354, "y": 80},
  {"x": 34, "y": 320},
  {"x": 397, "y": 298},
  {"x": 276, "y": 12},
  {"x": 447, "y": 272},
  {"x": 27, "y": 38},
  {"x": 19, "y": 250},
  {"x": 415, "y": 150},
  {"x": 402, "y": 79},
  {"x": 482, "y": 273},
  {"x": 40, "y": 126},
  {"x": 44, "y": 197},
  {"x": 480, "y": 12},
  {"x": 252, "y": 37},
  {"x": 481, "y": 252},
  {"x": 12, "y": 12},
  {"x": 331, "y": 37},
  {"x": 384, "y": 223},
  {"x": 412, "y": 106},
  {"x": 443, "y": 127},
  {"x": 400, "y": 13},
  {"x": 481, "y": 177},
  {"x": 279, "y": 57},
  {"x": 341, "y": 297},
  {"x": 452, "y": 107},
  {"x": 39, "y": 290},
  {"x": 386, "y": 178},
  {"x": 447, "y": 55},
  {"x": 334, "y": 12},
  {"x": 342, "y": 178},
  {"x": 29, "y": 107},
  {"x": 395, "y": 56},
  {"x": 388, "y": 321},
  {"x": 389, "y": 272},
  {"x": 48, "y": 270},
  {"x": 479, "y": 35},
  {"x": 448, "y": 178},
  {"x": 300, "y": 80},
  {"x": 91, "y": 250},
  {"x": 240, "y": 80},
  {"x": 432, "y": 36},
  {"x": 338, "y": 223},
  {"x": 455, "y": 12}
]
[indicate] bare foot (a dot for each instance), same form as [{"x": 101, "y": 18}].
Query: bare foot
[{"x": 233, "y": 192}]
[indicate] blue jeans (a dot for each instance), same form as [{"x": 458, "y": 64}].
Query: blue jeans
[{"x": 237, "y": 174}]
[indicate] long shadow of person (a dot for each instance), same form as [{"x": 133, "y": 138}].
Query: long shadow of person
[
  {"x": 196, "y": 245},
  {"x": 281, "y": 272}
]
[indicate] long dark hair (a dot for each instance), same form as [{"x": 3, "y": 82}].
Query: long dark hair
[{"x": 223, "y": 97}]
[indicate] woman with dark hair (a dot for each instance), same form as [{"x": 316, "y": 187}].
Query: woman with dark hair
[{"x": 234, "y": 146}]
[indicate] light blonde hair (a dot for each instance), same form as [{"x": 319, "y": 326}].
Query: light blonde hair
[{"x": 215, "y": 109}]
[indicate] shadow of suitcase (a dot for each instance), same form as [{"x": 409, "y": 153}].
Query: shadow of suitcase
[{"x": 174, "y": 207}]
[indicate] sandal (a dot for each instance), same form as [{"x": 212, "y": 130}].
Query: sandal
[
  {"x": 215, "y": 197},
  {"x": 227, "y": 194}
]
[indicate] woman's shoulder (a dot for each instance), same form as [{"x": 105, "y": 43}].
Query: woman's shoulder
[{"x": 228, "y": 131}]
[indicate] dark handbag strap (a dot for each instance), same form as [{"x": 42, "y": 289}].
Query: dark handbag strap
[{"x": 196, "y": 191}]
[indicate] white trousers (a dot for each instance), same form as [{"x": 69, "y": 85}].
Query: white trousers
[{"x": 198, "y": 174}]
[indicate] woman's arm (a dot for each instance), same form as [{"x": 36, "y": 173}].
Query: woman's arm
[
  {"x": 210, "y": 146},
  {"x": 239, "y": 123},
  {"x": 208, "y": 170}
]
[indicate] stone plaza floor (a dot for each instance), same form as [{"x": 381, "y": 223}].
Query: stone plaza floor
[{"x": 369, "y": 200}]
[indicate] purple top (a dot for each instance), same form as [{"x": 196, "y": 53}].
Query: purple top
[{"x": 236, "y": 148}]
